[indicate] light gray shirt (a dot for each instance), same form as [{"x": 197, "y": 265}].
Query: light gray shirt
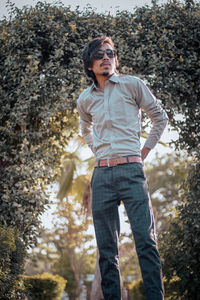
[{"x": 110, "y": 120}]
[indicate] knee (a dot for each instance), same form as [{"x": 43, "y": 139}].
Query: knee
[
  {"x": 145, "y": 242},
  {"x": 108, "y": 260}
]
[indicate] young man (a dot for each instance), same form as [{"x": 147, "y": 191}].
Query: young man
[{"x": 110, "y": 123}]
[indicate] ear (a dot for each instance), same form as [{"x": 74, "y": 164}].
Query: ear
[{"x": 90, "y": 69}]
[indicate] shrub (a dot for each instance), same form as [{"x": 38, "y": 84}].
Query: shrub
[
  {"x": 42, "y": 75},
  {"x": 12, "y": 253},
  {"x": 137, "y": 290},
  {"x": 44, "y": 286},
  {"x": 180, "y": 244},
  {"x": 171, "y": 289}
]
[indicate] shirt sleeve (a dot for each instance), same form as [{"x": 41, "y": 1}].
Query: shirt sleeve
[
  {"x": 85, "y": 125},
  {"x": 148, "y": 103}
]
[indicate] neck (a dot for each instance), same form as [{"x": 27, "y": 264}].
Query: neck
[
  {"x": 101, "y": 79},
  {"x": 101, "y": 83}
]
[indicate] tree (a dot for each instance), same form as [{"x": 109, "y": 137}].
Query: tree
[
  {"x": 74, "y": 209},
  {"x": 42, "y": 256},
  {"x": 73, "y": 244},
  {"x": 67, "y": 250},
  {"x": 165, "y": 176},
  {"x": 180, "y": 244},
  {"x": 12, "y": 257},
  {"x": 161, "y": 43},
  {"x": 41, "y": 78},
  {"x": 36, "y": 118}
]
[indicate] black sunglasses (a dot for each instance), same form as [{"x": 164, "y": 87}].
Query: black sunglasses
[{"x": 100, "y": 53}]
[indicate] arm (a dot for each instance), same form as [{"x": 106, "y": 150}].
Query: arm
[
  {"x": 155, "y": 112},
  {"x": 144, "y": 152},
  {"x": 86, "y": 126}
]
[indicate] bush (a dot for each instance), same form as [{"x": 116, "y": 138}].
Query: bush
[
  {"x": 172, "y": 288},
  {"x": 180, "y": 244},
  {"x": 12, "y": 253},
  {"x": 137, "y": 289},
  {"x": 44, "y": 286},
  {"x": 41, "y": 76}
]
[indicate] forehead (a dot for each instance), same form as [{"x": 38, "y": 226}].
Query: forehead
[{"x": 106, "y": 46}]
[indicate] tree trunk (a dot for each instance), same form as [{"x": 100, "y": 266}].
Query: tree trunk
[{"x": 96, "y": 291}]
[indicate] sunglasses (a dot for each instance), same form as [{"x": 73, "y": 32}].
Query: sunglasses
[{"x": 100, "y": 53}]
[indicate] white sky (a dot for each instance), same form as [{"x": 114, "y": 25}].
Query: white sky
[{"x": 99, "y": 5}]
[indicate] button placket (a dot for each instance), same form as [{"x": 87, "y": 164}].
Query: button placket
[{"x": 107, "y": 93}]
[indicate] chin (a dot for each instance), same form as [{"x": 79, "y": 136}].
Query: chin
[{"x": 105, "y": 74}]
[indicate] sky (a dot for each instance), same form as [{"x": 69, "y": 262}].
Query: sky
[{"x": 101, "y": 6}]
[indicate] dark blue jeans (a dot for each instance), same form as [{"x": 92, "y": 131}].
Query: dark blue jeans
[{"x": 126, "y": 183}]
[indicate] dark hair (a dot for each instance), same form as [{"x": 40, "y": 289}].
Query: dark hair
[{"x": 93, "y": 46}]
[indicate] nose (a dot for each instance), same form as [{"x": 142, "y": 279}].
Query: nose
[{"x": 105, "y": 56}]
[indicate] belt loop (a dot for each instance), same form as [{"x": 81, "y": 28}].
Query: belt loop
[
  {"x": 108, "y": 162},
  {"x": 127, "y": 159},
  {"x": 98, "y": 163}
]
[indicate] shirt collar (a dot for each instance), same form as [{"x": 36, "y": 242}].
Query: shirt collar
[{"x": 114, "y": 78}]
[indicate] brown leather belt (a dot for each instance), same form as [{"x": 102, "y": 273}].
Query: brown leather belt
[{"x": 118, "y": 161}]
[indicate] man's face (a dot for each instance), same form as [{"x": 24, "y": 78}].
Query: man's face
[{"x": 104, "y": 66}]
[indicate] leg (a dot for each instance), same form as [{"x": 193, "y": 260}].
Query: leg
[
  {"x": 134, "y": 194},
  {"x": 106, "y": 223}
]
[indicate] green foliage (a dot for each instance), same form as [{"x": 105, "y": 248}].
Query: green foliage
[
  {"x": 42, "y": 257},
  {"x": 45, "y": 286},
  {"x": 67, "y": 250},
  {"x": 136, "y": 289},
  {"x": 129, "y": 265},
  {"x": 60, "y": 255},
  {"x": 12, "y": 255},
  {"x": 161, "y": 43},
  {"x": 63, "y": 267},
  {"x": 172, "y": 290},
  {"x": 165, "y": 175},
  {"x": 37, "y": 119},
  {"x": 41, "y": 76},
  {"x": 73, "y": 241},
  {"x": 180, "y": 244}
]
